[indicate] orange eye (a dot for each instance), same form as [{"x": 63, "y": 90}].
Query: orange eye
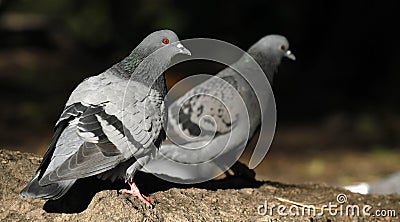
[
  {"x": 165, "y": 41},
  {"x": 282, "y": 47}
]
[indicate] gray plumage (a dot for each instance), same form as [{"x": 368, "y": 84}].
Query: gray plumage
[
  {"x": 111, "y": 123},
  {"x": 189, "y": 110},
  {"x": 384, "y": 186}
]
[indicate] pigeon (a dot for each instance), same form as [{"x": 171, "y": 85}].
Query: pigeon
[
  {"x": 112, "y": 123},
  {"x": 383, "y": 186},
  {"x": 186, "y": 116}
]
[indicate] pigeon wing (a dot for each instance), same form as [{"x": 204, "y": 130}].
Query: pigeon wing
[
  {"x": 205, "y": 110},
  {"x": 109, "y": 134}
]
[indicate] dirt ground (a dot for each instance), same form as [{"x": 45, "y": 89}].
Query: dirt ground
[
  {"x": 230, "y": 199},
  {"x": 306, "y": 153}
]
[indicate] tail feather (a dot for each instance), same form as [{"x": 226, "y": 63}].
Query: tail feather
[{"x": 52, "y": 191}]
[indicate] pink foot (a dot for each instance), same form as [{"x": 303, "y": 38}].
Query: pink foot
[{"x": 134, "y": 191}]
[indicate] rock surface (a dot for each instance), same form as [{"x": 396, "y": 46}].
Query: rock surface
[{"x": 230, "y": 199}]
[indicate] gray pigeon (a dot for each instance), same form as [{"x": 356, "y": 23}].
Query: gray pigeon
[
  {"x": 112, "y": 123},
  {"x": 387, "y": 185},
  {"x": 187, "y": 112}
]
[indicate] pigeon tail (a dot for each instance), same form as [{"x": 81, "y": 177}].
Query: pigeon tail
[{"x": 51, "y": 191}]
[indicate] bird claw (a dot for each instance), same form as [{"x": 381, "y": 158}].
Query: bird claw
[{"x": 134, "y": 191}]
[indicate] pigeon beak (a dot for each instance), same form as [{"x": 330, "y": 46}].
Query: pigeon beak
[
  {"x": 290, "y": 55},
  {"x": 183, "y": 50}
]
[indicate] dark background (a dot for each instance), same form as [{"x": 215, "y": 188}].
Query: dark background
[{"x": 341, "y": 95}]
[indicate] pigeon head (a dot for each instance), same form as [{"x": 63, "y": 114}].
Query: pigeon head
[
  {"x": 269, "y": 52},
  {"x": 154, "y": 53},
  {"x": 166, "y": 40},
  {"x": 272, "y": 48}
]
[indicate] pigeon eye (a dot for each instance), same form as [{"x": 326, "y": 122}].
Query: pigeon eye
[
  {"x": 282, "y": 47},
  {"x": 165, "y": 41}
]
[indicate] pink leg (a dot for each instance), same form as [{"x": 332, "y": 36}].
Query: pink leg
[{"x": 134, "y": 191}]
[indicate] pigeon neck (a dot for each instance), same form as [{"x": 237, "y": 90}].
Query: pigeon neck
[
  {"x": 150, "y": 72},
  {"x": 150, "y": 69},
  {"x": 268, "y": 64},
  {"x": 146, "y": 70},
  {"x": 129, "y": 64}
]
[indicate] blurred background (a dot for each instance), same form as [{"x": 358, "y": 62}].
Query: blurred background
[{"x": 338, "y": 104}]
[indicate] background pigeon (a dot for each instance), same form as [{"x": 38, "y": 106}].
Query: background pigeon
[
  {"x": 386, "y": 185},
  {"x": 187, "y": 112},
  {"x": 112, "y": 122}
]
